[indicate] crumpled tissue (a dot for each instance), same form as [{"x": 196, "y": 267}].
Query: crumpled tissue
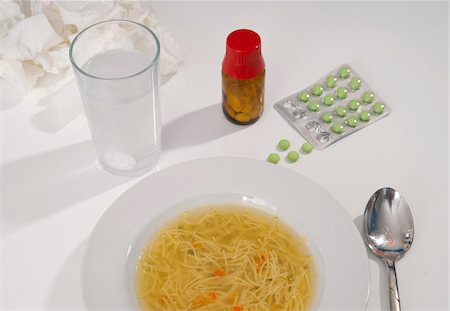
[{"x": 35, "y": 38}]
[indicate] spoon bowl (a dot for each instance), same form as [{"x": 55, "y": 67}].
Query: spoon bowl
[{"x": 389, "y": 232}]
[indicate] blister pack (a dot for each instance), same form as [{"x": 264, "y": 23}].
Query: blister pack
[{"x": 335, "y": 106}]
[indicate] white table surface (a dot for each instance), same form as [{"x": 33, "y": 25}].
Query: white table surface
[{"x": 53, "y": 193}]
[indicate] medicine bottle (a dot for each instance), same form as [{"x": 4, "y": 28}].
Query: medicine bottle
[{"x": 243, "y": 73}]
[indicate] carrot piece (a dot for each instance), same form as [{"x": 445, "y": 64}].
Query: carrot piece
[
  {"x": 197, "y": 245},
  {"x": 212, "y": 296},
  {"x": 219, "y": 272},
  {"x": 163, "y": 298},
  {"x": 200, "y": 300},
  {"x": 237, "y": 308}
]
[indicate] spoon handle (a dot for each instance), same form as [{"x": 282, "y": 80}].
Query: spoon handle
[{"x": 394, "y": 297}]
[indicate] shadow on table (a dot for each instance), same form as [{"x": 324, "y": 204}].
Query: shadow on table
[
  {"x": 41, "y": 185},
  {"x": 197, "y": 127},
  {"x": 384, "y": 288},
  {"x": 11, "y": 96},
  {"x": 58, "y": 109},
  {"x": 66, "y": 292}
]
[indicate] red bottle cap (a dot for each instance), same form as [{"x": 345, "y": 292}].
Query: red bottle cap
[{"x": 243, "y": 58}]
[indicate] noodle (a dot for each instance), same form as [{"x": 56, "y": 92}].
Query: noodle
[{"x": 226, "y": 258}]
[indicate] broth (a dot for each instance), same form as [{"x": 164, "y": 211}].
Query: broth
[{"x": 226, "y": 257}]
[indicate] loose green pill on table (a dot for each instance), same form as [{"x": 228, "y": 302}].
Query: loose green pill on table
[
  {"x": 304, "y": 96},
  {"x": 317, "y": 90},
  {"x": 344, "y": 72},
  {"x": 338, "y": 128},
  {"x": 355, "y": 84},
  {"x": 330, "y": 81},
  {"x": 327, "y": 117},
  {"x": 352, "y": 121},
  {"x": 341, "y": 92},
  {"x": 307, "y": 147},
  {"x": 368, "y": 97},
  {"x": 273, "y": 158},
  {"x": 341, "y": 112},
  {"x": 328, "y": 100},
  {"x": 314, "y": 106},
  {"x": 378, "y": 108},
  {"x": 353, "y": 104},
  {"x": 293, "y": 156},
  {"x": 364, "y": 116},
  {"x": 284, "y": 144}
]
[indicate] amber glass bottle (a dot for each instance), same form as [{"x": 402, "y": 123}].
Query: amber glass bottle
[{"x": 243, "y": 73}]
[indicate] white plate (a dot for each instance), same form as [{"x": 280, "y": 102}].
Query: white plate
[{"x": 116, "y": 242}]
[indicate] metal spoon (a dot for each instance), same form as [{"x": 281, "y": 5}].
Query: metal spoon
[{"x": 389, "y": 233}]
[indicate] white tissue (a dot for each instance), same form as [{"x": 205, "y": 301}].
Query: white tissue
[{"x": 35, "y": 37}]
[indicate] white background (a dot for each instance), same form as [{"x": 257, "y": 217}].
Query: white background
[{"x": 53, "y": 193}]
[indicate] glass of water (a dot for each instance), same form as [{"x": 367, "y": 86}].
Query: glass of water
[{"x": 116, "y": 66}]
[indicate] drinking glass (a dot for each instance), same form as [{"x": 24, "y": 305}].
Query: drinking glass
[{"x": 116, "y": 66}]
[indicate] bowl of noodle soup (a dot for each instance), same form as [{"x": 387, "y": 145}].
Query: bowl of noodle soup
[
  {"x": 224, "y": 251},
  {"x": 225, "y": 234}
]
